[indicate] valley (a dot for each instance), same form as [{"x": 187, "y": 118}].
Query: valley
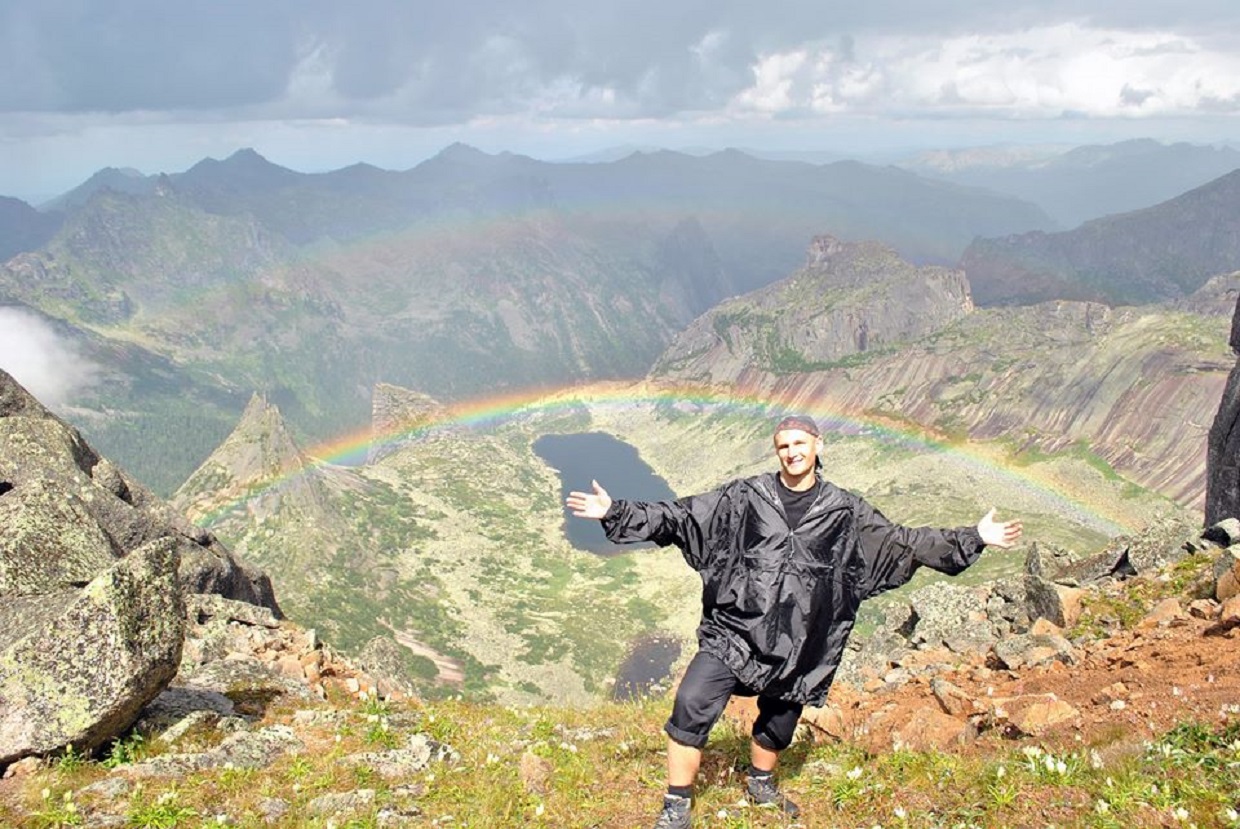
[{"x": 404, "y": 341}]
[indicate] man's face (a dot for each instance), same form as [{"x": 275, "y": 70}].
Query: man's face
[{"x": 797, "y": 451}]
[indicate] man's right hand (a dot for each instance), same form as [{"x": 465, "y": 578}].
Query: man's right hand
[{"x": 589, "y": 504}]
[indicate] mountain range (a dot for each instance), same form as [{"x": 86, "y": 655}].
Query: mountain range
[
  {"x": 1076, "y": 184},
  {"x": 469, "y": 274},
  {"x": 945, "y": 335}
]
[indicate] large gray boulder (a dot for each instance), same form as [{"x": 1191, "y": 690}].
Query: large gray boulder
[
  {"x": 94, "y": 569},
  {"x": 66, "y": 513},
  {"x": 78, "y": 665}
]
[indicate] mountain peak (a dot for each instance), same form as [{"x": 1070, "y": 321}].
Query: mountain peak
[
  {"x": 260, "y": 455},
  {"x": 243, "y": 170},
  {"x": 398, "y": 416},
  {"x": 461, "y": 152}
]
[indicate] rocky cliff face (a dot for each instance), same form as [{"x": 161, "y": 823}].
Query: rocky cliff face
[
  {"x": 1137, "y": 387},
  {"x": 1161, "y": 253},
  {"x": 849, "y": 299},
  {"x": 1223, "y": 454}
]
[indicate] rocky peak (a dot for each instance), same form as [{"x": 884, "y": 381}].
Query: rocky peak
[
  {"x": 850, "y": 298},
  {"x": 397, "y": 416},
  {"x": 93, "y": 570},
  {"x": 259, "y": 453},
  {"x": 822, "y": 249}
]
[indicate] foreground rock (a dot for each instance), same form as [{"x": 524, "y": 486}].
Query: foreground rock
[
  {"x": 66, "y": 513},
  {"x": 77, "y": 666},
  {"x": 93, "y": 573}
]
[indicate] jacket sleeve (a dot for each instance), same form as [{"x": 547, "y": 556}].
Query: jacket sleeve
[
  {"x": 688, "y": 523},
  {"x": 891, "y": 553}
]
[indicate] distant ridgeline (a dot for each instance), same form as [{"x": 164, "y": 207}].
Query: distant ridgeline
[{"x": 463, "y": 276}]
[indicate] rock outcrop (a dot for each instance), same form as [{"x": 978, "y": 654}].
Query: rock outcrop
[
  {"x": 850, "y": 298},
  {"x": 93, "y": 573},
  {"x": 76, "y": 666},
  {"x": 65, "y": 510},
  {"x": 399, "y": 416},
  {"x": 1223, "y": 447}
]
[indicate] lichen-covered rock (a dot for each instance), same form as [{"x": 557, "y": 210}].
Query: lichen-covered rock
[
  {"x": 1056, "y": 603},
  {"x": 50, "y": 541},
  {"x": 81, "y": 664},
  {"x": 55, "y": 487},
  {"x": 950, "y": 614}
]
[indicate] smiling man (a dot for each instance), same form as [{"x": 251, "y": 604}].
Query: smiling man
[{"x": 785, "y": 559}]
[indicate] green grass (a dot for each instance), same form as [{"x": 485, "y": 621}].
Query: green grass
[{"x": 604, "y": 767}]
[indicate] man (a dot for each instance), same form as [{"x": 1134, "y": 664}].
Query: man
[{"x": 785, "y": 559}]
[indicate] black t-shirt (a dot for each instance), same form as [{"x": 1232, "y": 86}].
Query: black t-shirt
[{"x": 796, "y": 503}]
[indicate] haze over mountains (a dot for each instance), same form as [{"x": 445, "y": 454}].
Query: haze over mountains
[
  {"x": 328, "y": 304},
  {"x": 467, "y": 274},
  {"x": 473, "y": 273}
]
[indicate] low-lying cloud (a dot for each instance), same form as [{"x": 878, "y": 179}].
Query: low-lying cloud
[{"x": 49, "y": 366}]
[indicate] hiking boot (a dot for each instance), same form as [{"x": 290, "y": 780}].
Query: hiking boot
[
  {"x": 675, "y": 814},
  {"x": 762, "y": 791}
]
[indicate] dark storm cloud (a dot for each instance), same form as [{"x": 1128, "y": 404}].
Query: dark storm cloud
[
  {"x": 435, "y": 62},
  {"x": 58, "y": 55}
]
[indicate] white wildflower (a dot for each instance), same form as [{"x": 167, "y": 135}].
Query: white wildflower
[
  {"x": 1095, "y": 759},
  {"x": 1180, "y": 814},
  {"x": 855, "y": 773},
  {"x": 538, "y": 810},
  {"x": 1102, "y": 807}
]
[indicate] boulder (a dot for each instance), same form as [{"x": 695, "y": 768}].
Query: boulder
[
  {"x": 77, "y": 666},
  {"x": 50, "y": 541},
  {"x": 1028, "y": 650},
  {"x": 929, "y": 729},
  {"x": 951, "y": 615},
  {"x": 1057, "y": 603},
  {"x": 1227, "y": 574},
  {"x": 66, "y": 513},
  {"x": 1032, "y": 715}
]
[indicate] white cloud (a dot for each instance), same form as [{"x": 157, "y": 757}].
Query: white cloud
[
  {"x": 45, "y": 364},
  {"x": 1045, "y": 72}
]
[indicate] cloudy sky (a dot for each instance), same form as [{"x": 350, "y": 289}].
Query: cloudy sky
[{"x": 319, "y": 84}]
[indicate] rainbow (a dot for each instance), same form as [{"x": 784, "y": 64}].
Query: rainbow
[{"x": 488, "y": 413}]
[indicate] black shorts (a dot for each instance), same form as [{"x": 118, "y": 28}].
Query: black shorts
[{"x": 703, "y": 694}]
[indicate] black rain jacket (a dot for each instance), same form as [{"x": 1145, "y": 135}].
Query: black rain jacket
[{"x": 779, "y": 602}]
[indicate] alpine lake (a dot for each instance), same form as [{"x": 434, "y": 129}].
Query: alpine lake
[{"x": 581, "y": 458}]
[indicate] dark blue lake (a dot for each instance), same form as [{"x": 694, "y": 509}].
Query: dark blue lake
[{"x": 593, "y": 456}]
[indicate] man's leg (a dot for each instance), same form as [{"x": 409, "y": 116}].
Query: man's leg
[
  {"x": 772, "y": 733},
  {"x": 703, "y": 693},
  {"x": 761, "y": 757},
  {"x": 682, "y": 763}
]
